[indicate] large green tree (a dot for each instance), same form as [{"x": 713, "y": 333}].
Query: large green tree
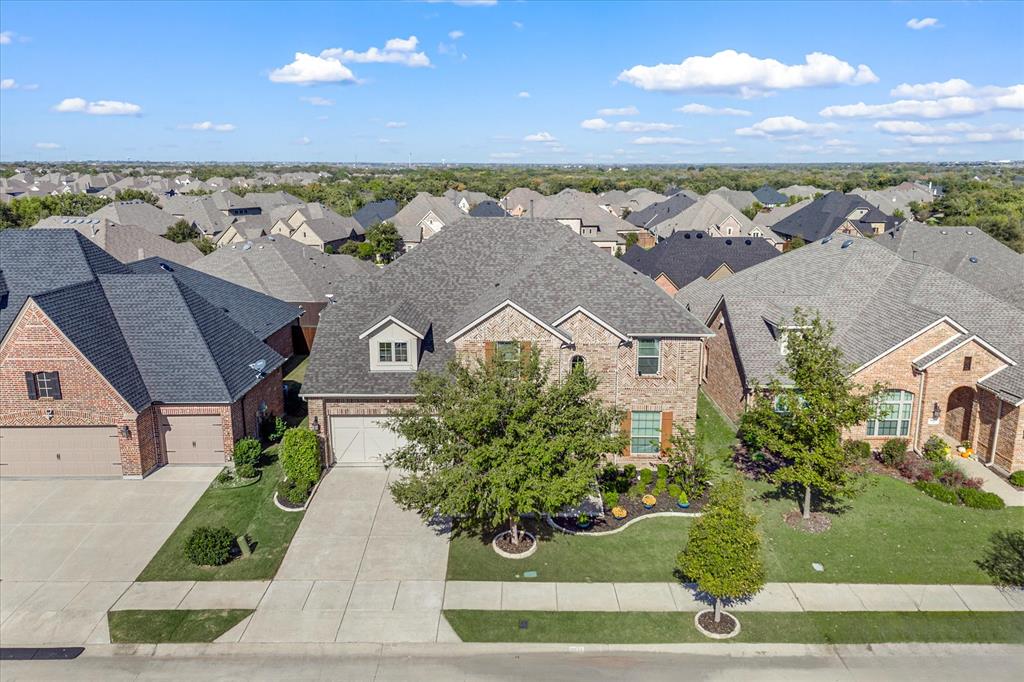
[
  {"x": 723, "y": 552},
  {"x": 490, "y": 441},
  {"x": 803, "y": 420},
  {"x": 132, "y": 194},
  {"x": 182, "y": 231}
]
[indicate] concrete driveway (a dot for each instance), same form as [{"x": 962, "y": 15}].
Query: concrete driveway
[
  {"x": 70, "y": 547},
  {"x": 359, "y": 569}
]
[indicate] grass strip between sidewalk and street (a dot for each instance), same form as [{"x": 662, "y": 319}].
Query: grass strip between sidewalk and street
[
  {"x": 249, "y": 510},
  {"x": 175, "y": 626},
  {"x": 592, "y": 627}
]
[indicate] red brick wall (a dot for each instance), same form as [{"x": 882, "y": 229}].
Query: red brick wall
[
  {"x": 724, "y": 385},
  {"x": 281, "y": 341},
  {"x": 245, "y": 412},
  {"x": 34, "y": 344}
]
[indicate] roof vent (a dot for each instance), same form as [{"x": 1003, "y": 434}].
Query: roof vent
[
  {"x": 166, "y": 268},
  {"x": 246, "y": 246},
  {"x": 970, "y": 231},
  {"x": 827, "y": 239},
  {"x": 973, "y": 259},
  {"x": 271, "y": 238},
  {"x": 686, "y": 235},
  {"x": 728, "y": 242},
  {"x": 847, "y": 244},
  {"x": 943, "y": 232},
  {"x": 700, "y": 235},
  {"x": 747, "y": 242}
]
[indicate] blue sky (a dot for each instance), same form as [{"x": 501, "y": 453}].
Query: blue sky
[{"x": 512, "y": 81}]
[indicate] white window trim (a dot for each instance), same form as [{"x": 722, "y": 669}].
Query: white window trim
[
  {"x": 637, "y": 354},
  {"x": 632, "y": 422},
  {"x": 874, "y": 419}
]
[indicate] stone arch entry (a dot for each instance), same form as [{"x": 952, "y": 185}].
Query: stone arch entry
[{"x": 959, "y": 408}]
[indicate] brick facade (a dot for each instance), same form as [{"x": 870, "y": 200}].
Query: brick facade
[
  {"x": 35, "y": 344},
  {"x": 723, "y": 382},
  {"x": 281, "y": 342}
]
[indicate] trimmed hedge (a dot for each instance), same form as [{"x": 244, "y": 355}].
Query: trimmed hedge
[
  {"x": 208, "y": 546},
  {"x": 247, "y": 452},
  {"x": 857, "y": 450},
  {"x": 300, "y": 455},
  {"x": 935, "y": 449},
  {"x": 937, "y": 491},
  {"x": 979, "y": 499},
  {"x": 1017, "y": 478},
  {"x": 894, "y": 451}
]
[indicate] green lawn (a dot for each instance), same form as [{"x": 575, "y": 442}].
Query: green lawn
[
  {"x": 813, "y": 628},
  {"x": 716, "y": 433},
  {"x": 248, "y": 510},
  {"x": 295, "y": 368},
  {"x": 156, "y": 627}
]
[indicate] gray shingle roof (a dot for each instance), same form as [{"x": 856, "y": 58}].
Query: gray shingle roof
[
  {"x": 463, "y": 272},
  {"x": 825, "y": 215},
  {"x": 875, "y": 299},
  {"x": 661, "y": 211},
  {"x": 376, "y": 212},
  {"x": 139, "y": 213},
  {"x": 685, "y": 256},
  {"x": 407, "y": 221},
  {"x": 739, "y": 198},
  {"x": 259, "y": 314},
  {"x": 707, "y": 212},
  {"x": 283, "y": 268},
  {"x": 126, "y": 243},
  {"x": 489, "y": 208}
]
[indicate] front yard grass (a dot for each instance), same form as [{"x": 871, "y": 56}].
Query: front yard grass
[
  {"x": 295, "y": 368},
  {"x": 159, "y": 626},
  {"x": 891, "y": 533},
  {"x": 812, "y": 628},
  {"x": 248, "y": 510}
]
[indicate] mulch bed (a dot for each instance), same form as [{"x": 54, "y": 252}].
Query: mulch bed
[
  {"x": 285, "y": 502},
  {"x": 723, "y": 627},
  {"x": 634, "y": 508},
  {"x": 818, "y": 523},
  {"x": 504, "y": 543}
]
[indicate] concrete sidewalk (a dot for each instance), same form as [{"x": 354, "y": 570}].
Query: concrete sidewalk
[
  {"x": 792, "y": 597},
  {"x": 992, "y": 482}
]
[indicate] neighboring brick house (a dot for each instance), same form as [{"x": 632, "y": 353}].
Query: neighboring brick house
[
  {"x": 108, "y": 371},
  {"x": 835, "y": 213},
  {"x": 491, "y": 286},
  {"x": 685, "y": 256},
  {"x": 949, "y": 354}
]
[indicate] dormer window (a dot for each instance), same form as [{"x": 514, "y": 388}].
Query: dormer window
[{"x": 396, "y": 352}]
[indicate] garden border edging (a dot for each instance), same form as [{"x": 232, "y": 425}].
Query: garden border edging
[
  {"x": 551, "y": 522},
  {"x": 303, "y": 507},
  {"x": 506, "y": 555}
]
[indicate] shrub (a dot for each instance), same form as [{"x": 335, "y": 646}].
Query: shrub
[
  {"x": 660, "y": 486},
  {"x": 609, "y": 477},
  {"x": 245, "y": 471},
  {"x": 683, "y": 499},
  {"x": 943, "y": 467},
  {"x": 937, "y": 491},
  {"x": 629, "y": 471},
  {"x": 276, "y": 429},
  {"x": 207, "y": 546},
  {"x": 662, "y": 472},
  {"x": 300, "y": 455},
  {"x": 247, "y": 452},
  {"x": 295, "y": 491},
  {"x": 916, "y": 469},
  {"x": 954, "y": 478},
  {"x": 857, "y": 450},
  {"x": 894, "y": 451},
  {"x": 224, "y": 476},
  {"x": 935, "y": 449},
  {"x": 1017, "y": 478},
  {"x": 674, "y": 490},
  {"x": 975, "y": 483},
  {"x": 1004, "y": 558},
  {"x": 646, "y": 476},
  {"x": 610, "y": 499},
  {"x": 979, "y": 499}
]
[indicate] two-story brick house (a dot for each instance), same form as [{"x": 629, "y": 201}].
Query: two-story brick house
[
  {"x": 490, "y": 286},
  {"x": 108, "y": 371},
  {"x": 949, "y": 353}
]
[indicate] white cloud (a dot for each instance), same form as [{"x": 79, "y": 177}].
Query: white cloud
[
  {"x": 103, "y": 107},
  {"x": 518, "y": 25},
  {"x": 395, "y": 124},
  {"x": 6, "y": 37},
  {"x": 746, "y": 75},
  {"x": 662, "y": 140},
  {"x": 309, "y": 68},
  {"x": 902, "y": 127},
  {"x": 303, "y": 141},
  {"x": 540, "y": 137},
  {"x": 396, "y": 51},
  {"x": 947, "y": 107},
  {"x": 954, "y": 87},
  {"x": 8, "y": 84},
  {"x": 916, "y": 132},
  {"x": 728, "y": 150},
  {"x": 505, "y": 155},
  {"x": 621, "y": 111},
  {"x": 212, "y": 127},
  {"x": 318, "y": 101},
  {"x": 927, "y": 22},
  {"x": 455, "y": 35},
  {"x": 785, "y": 126},
  {"x": 46, "y": 145},
  {"x": 595, "y": 124},
  {"x": 705, "y": 110},
  {"x": 523, "y": 94},
  {"x": 638, "y": 127}
]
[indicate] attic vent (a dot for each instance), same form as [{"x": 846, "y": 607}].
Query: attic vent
[
  {"x": 943, "y": 232},
  {"x": 747, "y": 242},
  {"x": 728, "y": 242},
  {"x": 973, "y": 259},
  {"x": 846, "y": 244},
  {"x": 166, "y": 268},
  {"x": 686, "y": 235},
  {"x": 827, "y": 239},
  {"x": 700, "y": 235}
]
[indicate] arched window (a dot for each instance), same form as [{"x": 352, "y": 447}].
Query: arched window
[{"x": 577, "y": 362}]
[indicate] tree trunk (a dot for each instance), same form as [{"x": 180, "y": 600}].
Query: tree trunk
[
  {"x": 807, "y": 501},
  {"x": 718, "y": 610},
  {"x": 513, "y": 530}
]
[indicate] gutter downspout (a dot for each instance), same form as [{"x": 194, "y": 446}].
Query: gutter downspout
[
  {"x": 920, "y": 413},
  {"x": 995, "y": 432}
]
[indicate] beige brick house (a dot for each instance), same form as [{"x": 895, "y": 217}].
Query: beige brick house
[
  {"x": 499, "y": 286},
  {"x": 949, "y": 353},
  {"x": 110, "y": 371}
]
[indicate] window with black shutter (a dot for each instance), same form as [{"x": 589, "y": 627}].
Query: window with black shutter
[{"x": 43, "y": 385}]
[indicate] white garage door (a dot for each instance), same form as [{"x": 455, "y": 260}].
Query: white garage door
[
  {"x": 361, "y": 440},
  {"x": 59, "y": 451},
  {"x": 191, "y": 439}
]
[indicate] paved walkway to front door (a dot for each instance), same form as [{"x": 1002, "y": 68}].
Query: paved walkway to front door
[{"x": 993, "y": 483}]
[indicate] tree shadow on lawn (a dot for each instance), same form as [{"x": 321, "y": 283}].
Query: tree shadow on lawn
[
  {"x": 464, "y": 528},
  {"x": 794, "y": 493}
]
